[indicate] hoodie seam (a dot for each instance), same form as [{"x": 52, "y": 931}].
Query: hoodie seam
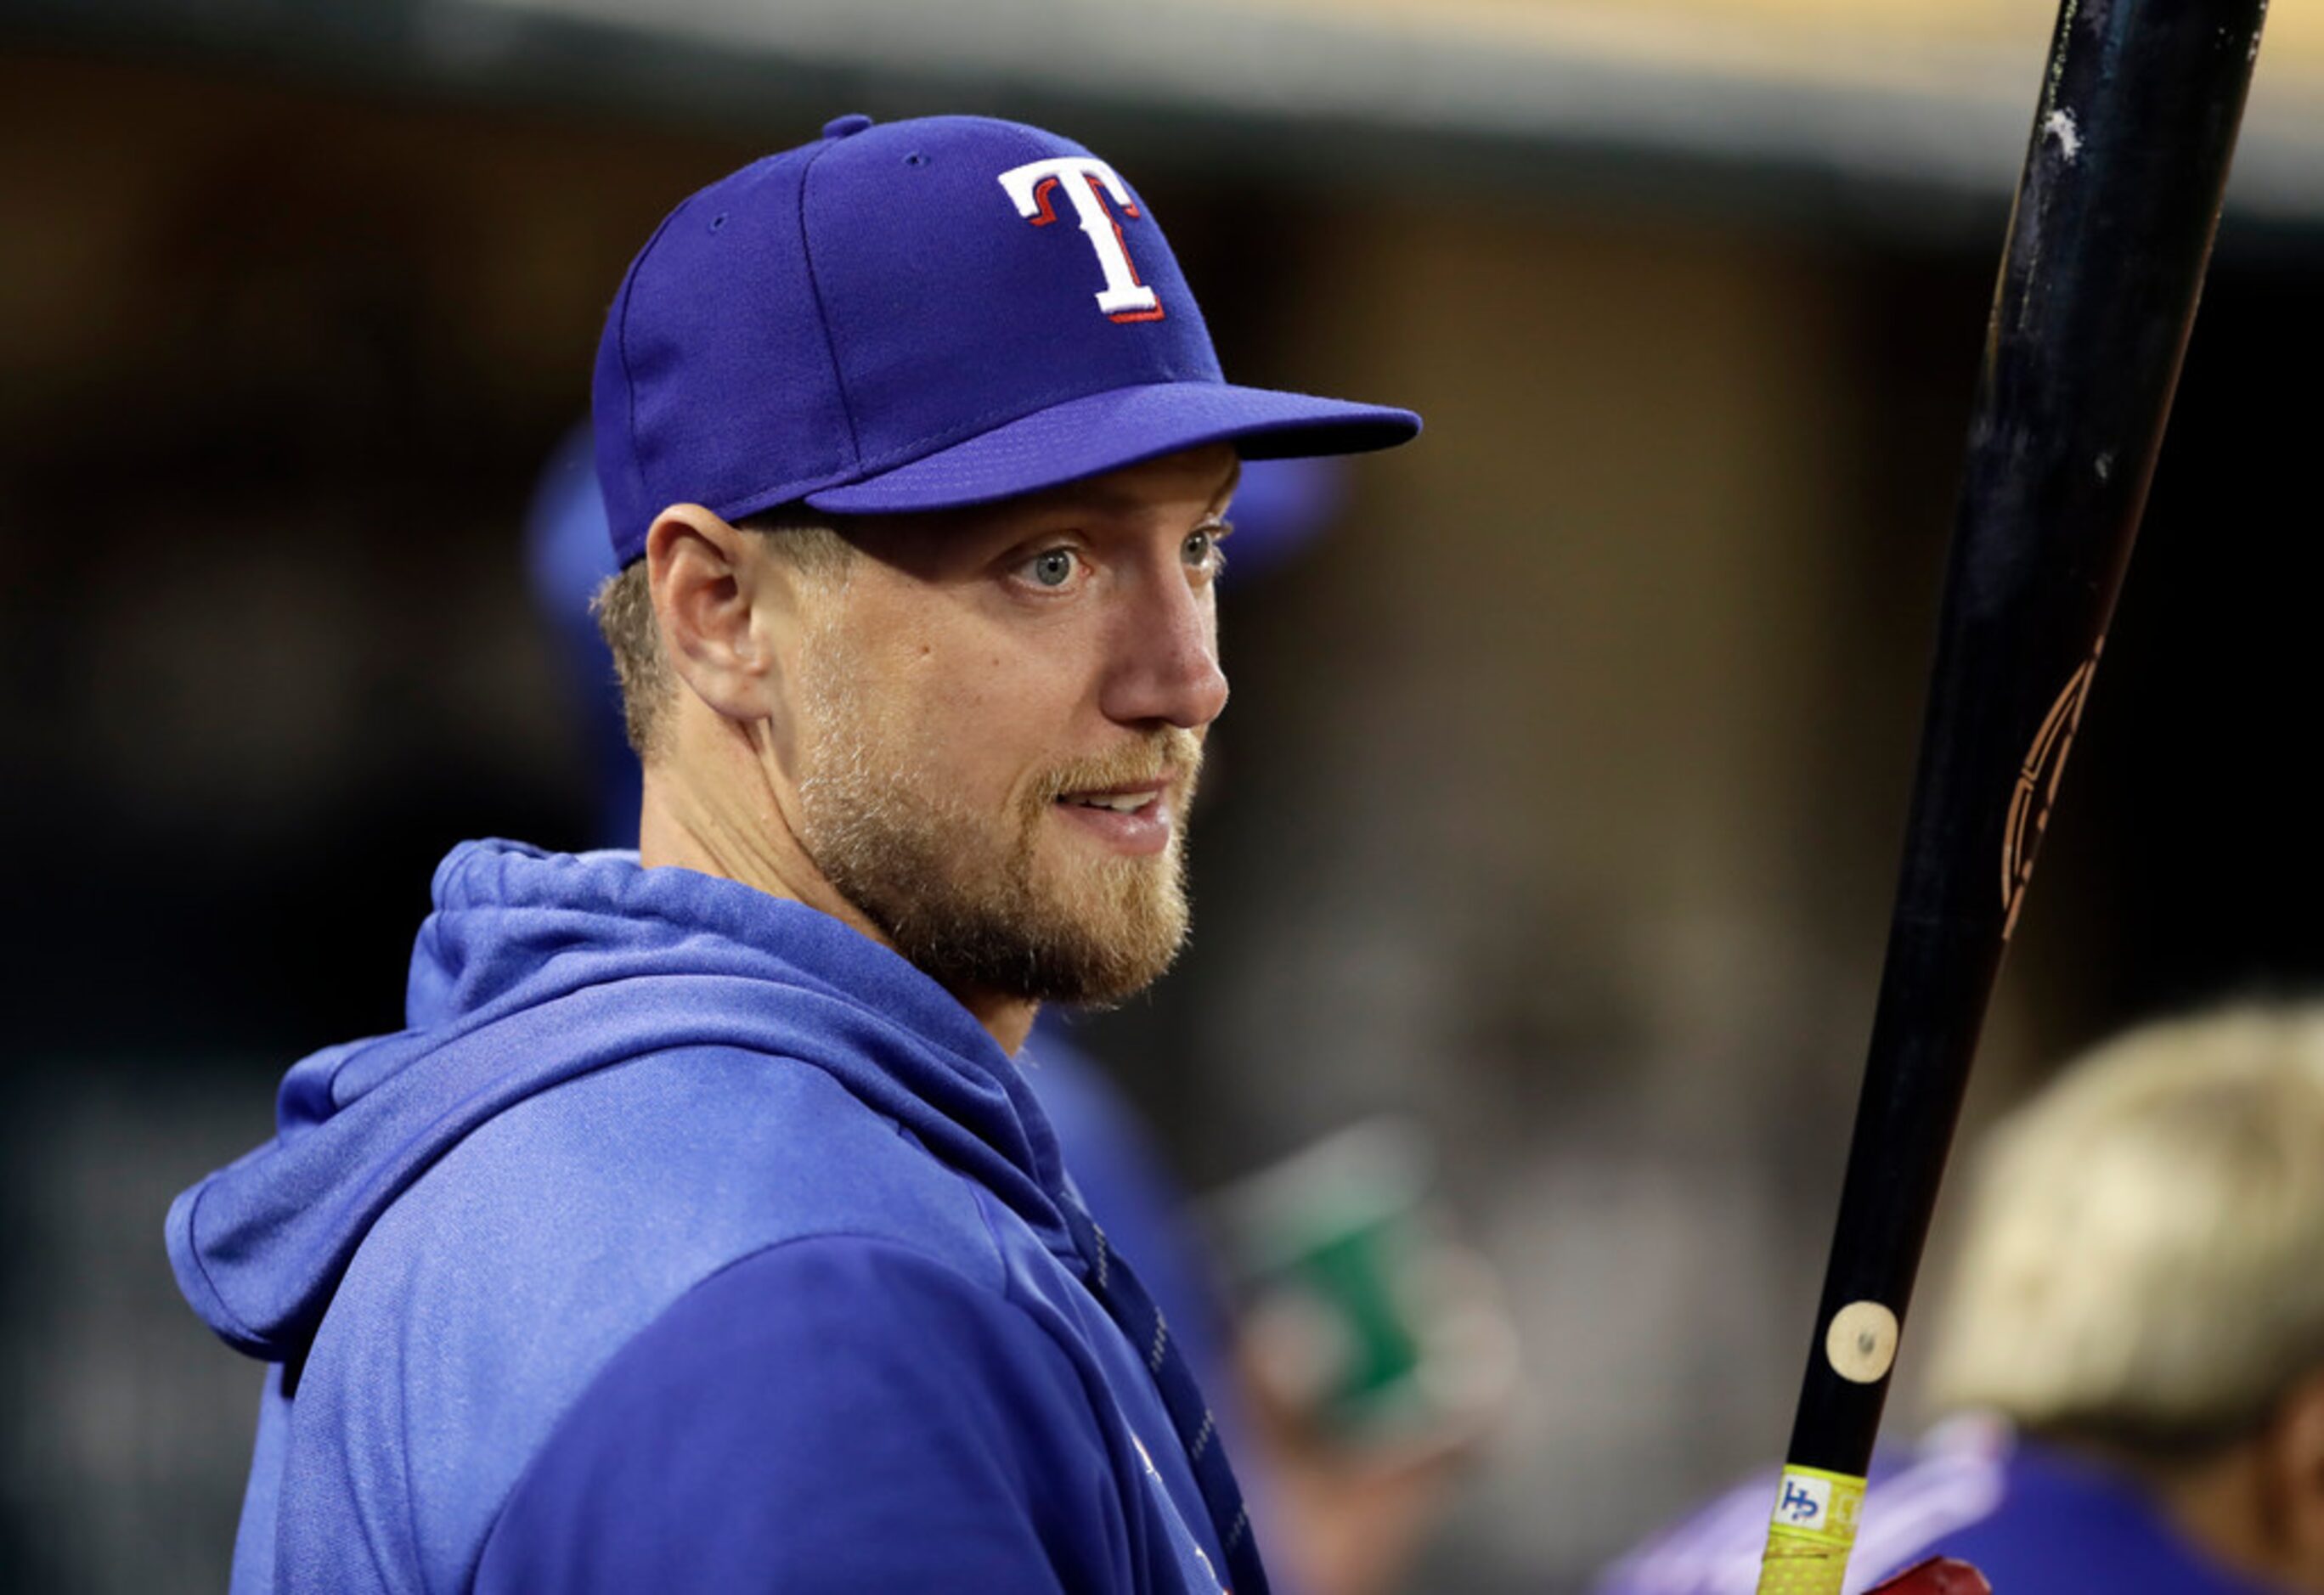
[
  {"x": 981, "y": 1199},
  {"x": 979, "y": 1196},
  {"x": 1126, "y": 1488}
]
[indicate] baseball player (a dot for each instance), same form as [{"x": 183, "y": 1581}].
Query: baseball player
[
  {"x": 698, "y": 1233},
  {"x": 2133, "y": 1346},
  {"x": 1279, "y": 505}
]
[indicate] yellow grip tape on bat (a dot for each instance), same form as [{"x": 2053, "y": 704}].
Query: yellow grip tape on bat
[{"x": 1814, "y": 1528}]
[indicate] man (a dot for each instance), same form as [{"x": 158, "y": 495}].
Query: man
[
  {"x": 699, "y": 1233},
  {"x": 1336, "y": 1519},
  {"x": 2134, "y": 1345}
]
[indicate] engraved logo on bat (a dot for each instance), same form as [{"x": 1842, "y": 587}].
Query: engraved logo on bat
[{"x": 2037, "y": 787}]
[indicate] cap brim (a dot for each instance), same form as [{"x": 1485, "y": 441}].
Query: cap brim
[{"x": 1106, "y": 431}]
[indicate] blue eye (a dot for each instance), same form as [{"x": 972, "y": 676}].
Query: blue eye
[
  {"x": 1202, "y": 546},
  {"x": 1053, "y": 568}
]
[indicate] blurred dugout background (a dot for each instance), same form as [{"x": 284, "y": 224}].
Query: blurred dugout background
[{"x": 1560, "y": 799}]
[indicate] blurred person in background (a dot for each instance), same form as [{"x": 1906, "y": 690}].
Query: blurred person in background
[
  {"x": 2131, "y": 1352},
  {"x": 700, "y": 1231}
]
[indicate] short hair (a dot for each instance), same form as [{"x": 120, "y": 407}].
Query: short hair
[
  {"x": 625, "y": 616},
  {"x": 2144, "y": 1265}
]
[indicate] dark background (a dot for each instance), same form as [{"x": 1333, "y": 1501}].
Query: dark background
[{"x": 1559, "y": 804}]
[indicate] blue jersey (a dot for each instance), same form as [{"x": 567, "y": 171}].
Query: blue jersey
[{"x": 2033, "y": 1520}]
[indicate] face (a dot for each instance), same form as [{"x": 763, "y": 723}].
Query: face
[{"x": 1000, "y": 717}]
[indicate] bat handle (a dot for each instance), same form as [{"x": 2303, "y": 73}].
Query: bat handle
[{"x": 1813, "y": 1532}]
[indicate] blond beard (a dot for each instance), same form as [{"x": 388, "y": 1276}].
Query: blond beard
[{"x": 969, "y": 897}]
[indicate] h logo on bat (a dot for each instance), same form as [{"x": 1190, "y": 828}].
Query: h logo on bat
[
  {"x": 1804, "y": 1502},
  {"x": 1088, "y": 182}
]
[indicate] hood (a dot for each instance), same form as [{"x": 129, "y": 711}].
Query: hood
[{"x": 535, "y": 968}]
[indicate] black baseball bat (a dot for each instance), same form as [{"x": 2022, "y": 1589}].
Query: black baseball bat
[{"x": 2108, "y": 242}]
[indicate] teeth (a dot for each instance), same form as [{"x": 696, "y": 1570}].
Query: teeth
[{"x": 1121, "y": 803}]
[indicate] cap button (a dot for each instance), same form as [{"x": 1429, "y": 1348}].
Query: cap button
[{"x": 846, "y": 126}]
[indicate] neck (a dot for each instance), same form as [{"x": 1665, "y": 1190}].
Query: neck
[
  {"x": 740, "y": 829},
  {"x": 1009, "y": 1019}
]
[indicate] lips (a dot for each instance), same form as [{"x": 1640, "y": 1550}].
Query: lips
[{"x": 1133, "y": 819}]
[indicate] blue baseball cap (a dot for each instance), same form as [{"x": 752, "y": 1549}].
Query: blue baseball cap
[{"x": 918, "y": 314}]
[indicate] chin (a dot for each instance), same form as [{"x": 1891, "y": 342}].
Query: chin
[
  {"x": 1107, "y": 958},
  {"x": 1067, "y": 929}
]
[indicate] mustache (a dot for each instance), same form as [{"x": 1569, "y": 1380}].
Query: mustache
[{"x": 1173, "y": 754}]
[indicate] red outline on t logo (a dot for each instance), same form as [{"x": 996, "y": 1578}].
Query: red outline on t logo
[{"x": 1088, "y": 182}]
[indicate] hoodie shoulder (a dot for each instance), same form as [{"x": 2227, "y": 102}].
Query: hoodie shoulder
[
  {"x": 834, "y": 1413},
  {"x": 613, "y": 1082},
  {"x": 495, "y": 1288}
]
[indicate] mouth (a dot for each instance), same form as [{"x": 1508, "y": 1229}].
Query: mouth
[
  {"x": 1124, "y": 800},
  {"x": 1134, "y": 817}
]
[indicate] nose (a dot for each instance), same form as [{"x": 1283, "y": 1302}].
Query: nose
[{"x": 1165, "y": 667}]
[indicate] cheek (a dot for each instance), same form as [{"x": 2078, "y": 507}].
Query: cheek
[{"x": 988, "y": 721}]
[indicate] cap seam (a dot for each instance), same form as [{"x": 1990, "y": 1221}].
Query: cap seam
[
  {"x": 622, "y": 348},
  {"x": 822, "y": 317}
]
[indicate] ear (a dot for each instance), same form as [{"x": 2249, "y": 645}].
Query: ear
[
  {"x": 2296, "y": 1460},
  {"x": 709, "y": 580}
]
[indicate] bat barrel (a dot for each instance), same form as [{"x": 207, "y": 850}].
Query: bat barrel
[{"x": 2108, "y": 242}]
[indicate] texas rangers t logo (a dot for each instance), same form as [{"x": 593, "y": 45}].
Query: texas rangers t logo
[{"x": 1087, "y": 181}]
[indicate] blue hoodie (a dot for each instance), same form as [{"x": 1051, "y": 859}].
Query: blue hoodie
[{"x": 686, "y": 1239}]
